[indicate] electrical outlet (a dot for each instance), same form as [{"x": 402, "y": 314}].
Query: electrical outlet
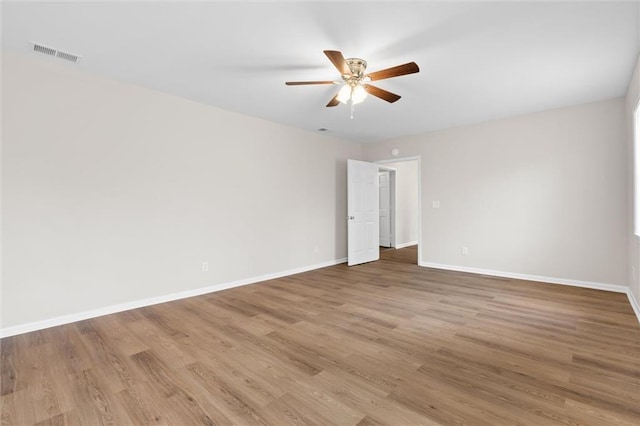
[
  {"x": 465, "y": 250},
  {"x": 435, "y": 204},
  {"x": 205, "y": 266}
]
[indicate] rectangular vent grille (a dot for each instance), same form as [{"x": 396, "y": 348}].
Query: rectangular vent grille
[
  {"x": 45, "y": 50},
  {"x": 67, "y": 56},
  {"x": 54, "y": 52}
]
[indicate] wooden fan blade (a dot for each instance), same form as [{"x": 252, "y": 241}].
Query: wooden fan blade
[
  {"x": 381, "y": 93},
  {"x": 396, "y": 71},
  {"x": 302, "y": 83},
  {"x": 338, "y": 61},
  {"x": 334, "y": 101}
]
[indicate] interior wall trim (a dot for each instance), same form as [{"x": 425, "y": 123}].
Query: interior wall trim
[
  {"x": 67, "y": 319},
  {"x": 549, "y": 280},
  {"x": 634, "y": 303}
]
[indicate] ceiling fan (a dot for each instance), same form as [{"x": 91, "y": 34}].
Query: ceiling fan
[{"x": 356, "y": 82}]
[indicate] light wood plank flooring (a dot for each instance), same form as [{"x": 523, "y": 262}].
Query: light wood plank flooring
[{"x": 386, "y": 343}]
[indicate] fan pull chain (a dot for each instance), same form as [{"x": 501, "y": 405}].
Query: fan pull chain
[{"x": 352, "y": 108}]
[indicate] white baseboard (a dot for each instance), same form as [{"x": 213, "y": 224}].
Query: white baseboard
[
  {"x": 66, "y": 319},
  {"x": 550, "y": 280},
  {"x": 403, "y": 245},
  {"x": 634, "y": 303}
]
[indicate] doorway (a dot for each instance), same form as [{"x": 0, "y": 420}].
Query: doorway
[
  {"x": 405, "y": 207},
  {"x": 363, "y": 209}
]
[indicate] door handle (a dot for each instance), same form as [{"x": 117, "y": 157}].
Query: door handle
[{"x": 350, "y": 217}]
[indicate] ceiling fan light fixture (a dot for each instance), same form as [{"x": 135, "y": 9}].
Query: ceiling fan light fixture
[
  {"x": 358, "y": 94},
  {"x": 344, "y": 94},
  {"x": 352, "y": 92}
]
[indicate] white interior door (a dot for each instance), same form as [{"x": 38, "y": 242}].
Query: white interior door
[
  {"x": 362, "y": 212},
  {"x": 385, "y": 209}
]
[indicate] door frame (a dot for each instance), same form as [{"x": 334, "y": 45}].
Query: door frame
[
  {"x": 419, "y": 164},
  {"x": 392, "y": 201}
]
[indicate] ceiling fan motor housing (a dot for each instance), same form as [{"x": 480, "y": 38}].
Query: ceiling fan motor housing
[{"x": 357, "y": 67}]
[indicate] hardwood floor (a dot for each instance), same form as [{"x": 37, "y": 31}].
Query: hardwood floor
[{"x": 386, "y": 343}]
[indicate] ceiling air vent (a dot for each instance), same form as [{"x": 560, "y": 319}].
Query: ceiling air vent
[
  {"x": 45, "y": 50},
  {"x": 68, "y": 56},
  {"x": 54, "y": 52}
]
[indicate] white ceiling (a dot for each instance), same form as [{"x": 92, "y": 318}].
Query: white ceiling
[{"x": 479, "y": 61}]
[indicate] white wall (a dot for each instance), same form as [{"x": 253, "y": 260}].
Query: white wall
[
  {"x": 542, "y": 194},
  {"x": 406, "y": 202},
  {"x": 115, "y": 193},
  {"x": 633, "y": 96}
]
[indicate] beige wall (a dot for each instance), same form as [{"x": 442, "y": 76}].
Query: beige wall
[
  {"x": 542, "y": 194},
  {"x": 115, "y": 193},
  {"x": 633, "y": 96}
]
